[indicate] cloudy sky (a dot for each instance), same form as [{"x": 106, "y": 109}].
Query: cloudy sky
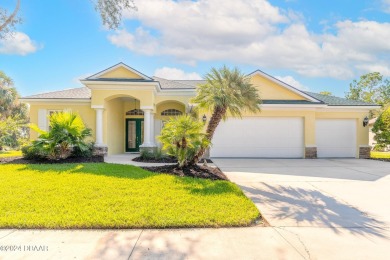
[{"x": 312, "y": 45}]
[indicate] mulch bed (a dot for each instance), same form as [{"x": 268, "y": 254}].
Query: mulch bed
[
  {"x": 169, "y": 159},
  {"x": 21, "y": 160},
  {"x": 195, "y": 171},
  {"x": 154, "y": 160}
]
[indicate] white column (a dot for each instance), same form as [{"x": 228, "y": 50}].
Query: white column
[
  {"x": 99, "y": 126},
  {"x": 147, "y": 142},
  {"x": 152, "y": 137}
]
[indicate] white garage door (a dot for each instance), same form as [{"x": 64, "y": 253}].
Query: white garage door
[
  {"x": 336, "y": 138},
  {"x": 259, "y": 137}
]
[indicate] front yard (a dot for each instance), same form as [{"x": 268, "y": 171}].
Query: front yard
[{"x": 99, "y": 195}]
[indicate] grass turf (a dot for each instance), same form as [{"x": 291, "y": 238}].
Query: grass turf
[
  {"x": 116, "y": 196},
  {"x": 380, "y": 155},
  {"x": 4, "y": 154}
]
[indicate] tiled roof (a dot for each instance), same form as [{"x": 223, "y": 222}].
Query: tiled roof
[
  {"x": 175, "y": 84},
  {"x": 74, "y": 93},
  {"x": 337, "y": 101}
]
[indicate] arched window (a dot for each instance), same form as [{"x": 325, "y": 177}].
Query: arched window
[
  {"x": 171, "y": 112},
  {"x": 135, "y": 112}
]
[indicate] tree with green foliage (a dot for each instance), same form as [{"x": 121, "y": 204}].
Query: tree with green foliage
[
  {"x": 326, "y": 93},
  {"x": 11, "y": 131},
  {"x": 183, "y": 137},
  {"x": 371, "y": 88},
  {"x": 227, "y": 92},
  {"x": 66, "y": 136},
  {"x": 13, "y": 114},
  {"x": 110, "y": 12},
  {"x": 382, "y": 130}
]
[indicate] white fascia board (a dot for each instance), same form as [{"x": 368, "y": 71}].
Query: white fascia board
[
  {"x": 176, "y": 93},
  {"x": 350, "y": 108},
  {"x": 293, "y": 106},
  {"x": 55, "y": 100},
  {"x": 121, "y": 64},
  {"x": 285, "y": 85}
]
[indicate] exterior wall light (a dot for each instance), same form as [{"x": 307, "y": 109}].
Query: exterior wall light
[
  {"x": 204, "y": 118},
  {"x": 365, "y": 121}
]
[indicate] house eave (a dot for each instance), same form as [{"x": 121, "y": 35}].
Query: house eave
[{"x": 60, "y": 100}]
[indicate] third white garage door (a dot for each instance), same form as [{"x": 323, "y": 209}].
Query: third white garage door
[
  {"x": 260, "y": 137},
  {"x": 336, "y": 138}
]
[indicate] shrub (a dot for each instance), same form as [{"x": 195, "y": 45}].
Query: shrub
[
  {"x": 31, "y": 152},
  {"x": 66, "y": 137},
  {"x": 146, "y": 154},
  {"x": 183, "y": 137},
  {"x": 152, "y": 155},
  {"x": 382, "y": 129}
]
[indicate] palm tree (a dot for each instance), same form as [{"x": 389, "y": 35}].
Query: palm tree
[{"x": 227, "y": 92}]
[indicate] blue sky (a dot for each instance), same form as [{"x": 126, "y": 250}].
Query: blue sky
[{"x": 313, "y": 45}]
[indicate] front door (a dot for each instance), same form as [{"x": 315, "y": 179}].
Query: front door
[{"x": 134, "y": 134}]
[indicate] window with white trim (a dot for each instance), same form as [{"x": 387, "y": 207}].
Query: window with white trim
[
  {"x": 135, "y": 112},
  {"x": 171, "y": 112}
]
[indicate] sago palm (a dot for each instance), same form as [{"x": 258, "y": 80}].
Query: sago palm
[{"x": 227, "y": 92}]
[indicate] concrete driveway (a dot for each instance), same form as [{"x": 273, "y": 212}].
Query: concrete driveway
[{"x": 325, "y": 208}]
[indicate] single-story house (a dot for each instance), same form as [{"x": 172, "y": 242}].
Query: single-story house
[{"x": 126, "y": 110}]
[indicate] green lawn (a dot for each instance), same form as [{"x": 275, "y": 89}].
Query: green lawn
[
  {"x": 116, "y": 196},
  {"x": 380, "y": 155},
  {"x": 4, "y": 154}
]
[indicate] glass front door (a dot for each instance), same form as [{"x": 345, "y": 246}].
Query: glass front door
[{"x": 134, "y": 134}]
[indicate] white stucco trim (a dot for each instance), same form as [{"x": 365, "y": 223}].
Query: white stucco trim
[
  {"x": 121, "y": 64},
  {"x": 97, "y": 106}
]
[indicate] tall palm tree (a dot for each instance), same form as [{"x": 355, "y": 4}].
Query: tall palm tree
[{"x": 227, "y": 92}]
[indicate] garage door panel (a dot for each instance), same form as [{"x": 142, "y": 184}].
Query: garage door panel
[
  {"x": 336, "y": 138},
  {"x": 259, "y": 137}
]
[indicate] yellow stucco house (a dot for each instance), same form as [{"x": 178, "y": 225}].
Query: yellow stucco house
[{"x": 126, "y": 111}]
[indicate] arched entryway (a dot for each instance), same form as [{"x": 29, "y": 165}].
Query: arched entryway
[{"x": 125, "y": 127}]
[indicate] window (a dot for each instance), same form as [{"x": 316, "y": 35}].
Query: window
[
  {"x": 135, "y": 112},
  {"x": 171, "y": 112}
]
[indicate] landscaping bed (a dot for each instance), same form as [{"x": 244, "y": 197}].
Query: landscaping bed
[
  {"x": 168, "y": 159},
  {"x": 195, "y": 171},
  {"x": 21, "y": 160},
  {"x": 101, "y": 195}
]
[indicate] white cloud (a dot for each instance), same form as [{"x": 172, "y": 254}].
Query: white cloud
[
  {"x": 290, "y": 80},
  {"x": 19, "y": 44},
  {"x": 174, "y": 73},
  {"x": 257, "y": 33},
  {"x": 386, "y": 6}
]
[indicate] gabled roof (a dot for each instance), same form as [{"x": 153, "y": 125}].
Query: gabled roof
[
  {"x": 283, "y": 84},
  {"x": 120, "y": 64}
]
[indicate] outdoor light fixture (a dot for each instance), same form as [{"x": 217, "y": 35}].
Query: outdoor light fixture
[
  {"x": 365, "y": 121},
  {"x": 204, "y": 118}
]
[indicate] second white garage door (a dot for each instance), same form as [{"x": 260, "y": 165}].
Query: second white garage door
[
  {"x": 336, "y": 138},
  {"x": 259, "y": 137}
]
